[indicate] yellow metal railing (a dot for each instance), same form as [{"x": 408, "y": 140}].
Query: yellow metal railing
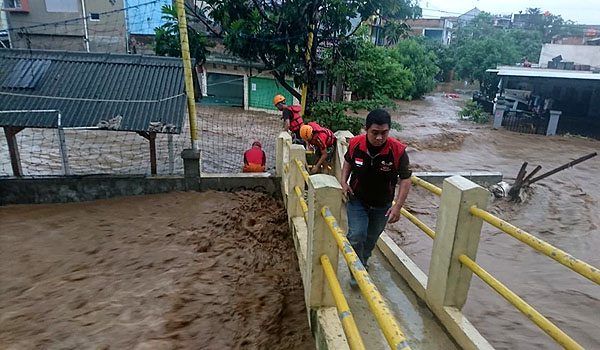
[
  {"x": 420, "y": 224},
  {"x": 303, "y": 170},
  {"x": 586, "y": 270},
  {"x": 352, "y": 334},
  {"x": 302, "y": 202},
  {"x": 537, "y": 318},
  {"x": 383, "y": 315},
  {"x": 431, "y": 187}
]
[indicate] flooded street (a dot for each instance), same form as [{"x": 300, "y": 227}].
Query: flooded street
[
  {"x": 161, "y": 272},
  {"x": 563, "y": 210}
]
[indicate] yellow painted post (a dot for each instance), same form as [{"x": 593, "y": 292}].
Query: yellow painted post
[
  {"x": 352, "y": 334},
  {"x": 309, "y": 49},
  {"x": 295, "y": 179},
  {"x": 187, "y": 70},
  {"x": 383, "y": 315},
  {"x": 457, "y": 232},
  {"x": 322, "y": 190},
  {"x": 581, "y": 267},
  {"x": 558, "y": 335}
]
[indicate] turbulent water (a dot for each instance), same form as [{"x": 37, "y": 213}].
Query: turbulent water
[
  {"x": 163, "y": 272},
  {"x": 563, "y": 210}
]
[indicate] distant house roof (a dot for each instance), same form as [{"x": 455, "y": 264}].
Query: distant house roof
[
  {"x": 544, "y": 73},
  {"x": 469, "y": 15},
  {"x": 118, "y": 92}
]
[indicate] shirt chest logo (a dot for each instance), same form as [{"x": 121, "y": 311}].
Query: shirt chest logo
[
  {"x": 358, "y": 162},
  {"x": 385, "y": 166}
]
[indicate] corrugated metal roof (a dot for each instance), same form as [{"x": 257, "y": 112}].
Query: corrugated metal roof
[{"x": 88, "y": 88}]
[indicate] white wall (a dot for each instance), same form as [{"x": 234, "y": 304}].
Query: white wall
[{"x": 580, "y": 54}]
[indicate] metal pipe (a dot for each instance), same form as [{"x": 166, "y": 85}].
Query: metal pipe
[
  {"x": 383, "y": 315},
  {"x": 286, "y": 168},
  {"x": 586, "y": 270},
  {"x": 431, "y": 187},
  {"x": 302, "y": 202},
  {"x": 352, "y": 334},
  {"x": 548, "y": 327},
  {"x": 303, "y": 170},
  {"x": 187, "y": 69},
  {"x": 420, "y": 224},
  {"x": 288, "y": 142},
  {"x": 86, "y": 37}
]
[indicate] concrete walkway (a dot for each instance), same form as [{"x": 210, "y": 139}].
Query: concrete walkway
[{"x": 419, "y": 325}]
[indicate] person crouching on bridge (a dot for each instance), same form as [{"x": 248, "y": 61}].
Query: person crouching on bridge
[
  {"x": 291, "y": 116},
  {"x": 373, "y": 162},
  {"x": 255, "y": 159},
  {"x": 323, "y": 140}
]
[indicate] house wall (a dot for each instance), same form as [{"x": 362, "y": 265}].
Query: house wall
[
  {"x": 580, "y": 54},
  {"x": 107, "y": 34}
]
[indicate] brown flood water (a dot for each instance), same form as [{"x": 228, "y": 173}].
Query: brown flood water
[
  {"x": 174, "y": 271},
  {"x": 563, "y": 210}
]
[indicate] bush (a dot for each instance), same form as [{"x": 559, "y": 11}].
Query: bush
[
  {"x": 332, "y": 114},
  {"x": 473, "y": 112}
]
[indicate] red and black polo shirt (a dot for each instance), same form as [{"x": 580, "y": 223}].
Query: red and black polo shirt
[{"x": 374, "y": 177}]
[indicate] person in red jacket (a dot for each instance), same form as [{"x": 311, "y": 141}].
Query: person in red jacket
[
  {"x": 291, "y": 116},
  {"x": 323, "y": 140},
  {"x": 375, "y": 164},
  {"x": 255, "y": 159}
]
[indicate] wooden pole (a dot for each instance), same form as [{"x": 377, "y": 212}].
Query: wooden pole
[
  {"x": 563, "y": 167},
  {"x": 15, "y": 161},
  {"x": 151, "y": 137}
]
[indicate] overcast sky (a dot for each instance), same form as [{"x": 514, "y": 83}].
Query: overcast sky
[{"x": 580, "y": 11}]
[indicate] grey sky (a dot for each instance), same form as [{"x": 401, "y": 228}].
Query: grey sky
[{"x": 580, "y": 11}]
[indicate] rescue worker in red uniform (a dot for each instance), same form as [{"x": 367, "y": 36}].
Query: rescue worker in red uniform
[
  {"x": 255, "y": 159},
  {"x": 323, "y": 140},
  {"x": 291, "y": 116}
]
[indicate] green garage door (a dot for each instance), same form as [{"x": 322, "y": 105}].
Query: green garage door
[
  {"x": 224, "y": 90},
  {"x": 262, "y": 90}
]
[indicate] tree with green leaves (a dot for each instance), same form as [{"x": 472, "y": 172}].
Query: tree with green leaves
[
  {"x": 167, "y": 42},
  {"x": 276, "y": 32}
]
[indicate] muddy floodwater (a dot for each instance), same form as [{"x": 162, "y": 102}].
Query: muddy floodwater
[
  {"x": 174, "y": 271},
  {"x": 563, "y": 210}
]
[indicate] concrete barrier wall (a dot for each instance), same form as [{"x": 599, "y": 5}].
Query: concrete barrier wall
[{"x": 63, "y": 189}]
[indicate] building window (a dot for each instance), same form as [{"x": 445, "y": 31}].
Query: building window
[
  {"x": 15, "y": 5},
  {"x": 94, "y": 16}
]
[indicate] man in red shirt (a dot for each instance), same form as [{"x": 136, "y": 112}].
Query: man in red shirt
[
  {"x": 374, "y": 162},
  {"x": 255, "y": 159},
  {"x": 291, "y": 116},
  {"x": 323, "y": 140}
]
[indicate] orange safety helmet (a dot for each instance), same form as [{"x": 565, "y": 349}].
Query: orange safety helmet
[
  {"x": 278, "y": 99},
  {"x": 306, "y": 132}
]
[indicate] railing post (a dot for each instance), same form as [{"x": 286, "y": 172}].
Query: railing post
[
  {"x": 343, "y": 136},
  {"x": 281, "y": 144},
  {"x": 295, "y": 179},
  {"x": 500, "y": 107},
  {"x": 323, "y": 190},
  {"x": 457, "y": 232}
]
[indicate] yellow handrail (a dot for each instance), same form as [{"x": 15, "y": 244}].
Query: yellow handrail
[
  {"x": 352, "y": 334},
  {"x": 288, "y": 142},
  {"x": 586, "y": 270},
  {"x": 302, "y": 202},
  {"x": 383, "y": 315},
  {"x": 431, "y": 187},
  {"x": 420, "y": 224},
  {"x": 286, "y": 168},
  {"x": 302, "y": 170},
  {"x": 559, "y": 336}
]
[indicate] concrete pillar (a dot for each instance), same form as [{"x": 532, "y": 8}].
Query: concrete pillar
[
  {"x": 295, "y": 179},
  {"x": 323, "y": 190},
  {"x": 457, "y": 232},
  {"x": 343, "y": 137},
  {"x": 191, "y": 169},
  {"x": 500, "y": 107},
  {"x": 281, "y": 145},
  {"x": 553, "y": 122}
]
